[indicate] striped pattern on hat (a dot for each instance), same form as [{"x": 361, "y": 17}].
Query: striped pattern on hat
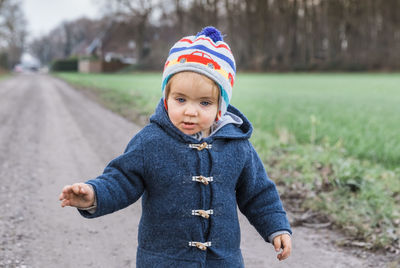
[{"x": 207, "y": 54}]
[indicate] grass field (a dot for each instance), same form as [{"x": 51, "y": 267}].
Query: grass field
[
  {"x": 334, "y": 138},
  {"x": 360, "y": 110}
]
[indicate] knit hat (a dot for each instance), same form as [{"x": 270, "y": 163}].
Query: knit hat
[{"x": 207, "y": 54}]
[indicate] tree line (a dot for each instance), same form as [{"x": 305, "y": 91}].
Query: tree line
[
  {"x": 12, "y": 33},
  {"x": 264, "y": 35}
]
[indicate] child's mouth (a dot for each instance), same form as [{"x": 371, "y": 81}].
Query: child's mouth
[{"x": 188, "y": 125}]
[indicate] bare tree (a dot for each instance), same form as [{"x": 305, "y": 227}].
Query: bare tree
[
  {"x": 2, "y": 3},
  {"x": 138, "y": 13},
  {"x": 265, "y": 34},
  {"x": 67, "y": 39},
  {"x": 12, "y": 32}
]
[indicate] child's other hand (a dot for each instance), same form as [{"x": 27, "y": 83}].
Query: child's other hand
[
  {"x": 79, "y": 195},
  {"x": 284, "y": 242}
]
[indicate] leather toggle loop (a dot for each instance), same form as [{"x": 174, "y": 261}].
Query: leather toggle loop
[
  {"x": 199, "y": 245},
  {"x": 202, "y": 179},
  {"x": 203, "y": 213},
  {"x": 201, "y": 146}
]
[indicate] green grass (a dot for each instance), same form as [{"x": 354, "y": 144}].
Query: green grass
[
  {"x": 360, "y": 197},
  {"x": 333, "y": 136},
  {"x": 141, "y": 90},
  {"x": 4, "y": 75},
  {"x": 360, "y": 110}
]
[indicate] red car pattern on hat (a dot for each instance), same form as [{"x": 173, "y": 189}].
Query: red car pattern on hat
[
  {"x": 203, "y": 58},
  {"x": 199, "y": 57}
]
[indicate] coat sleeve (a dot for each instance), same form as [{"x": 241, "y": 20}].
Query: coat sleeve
[
  {"x": 258, "y": 198},
  {"x": 121, "y": 183}
]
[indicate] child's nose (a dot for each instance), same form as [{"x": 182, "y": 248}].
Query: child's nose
[{"x": 190, "y": 110}]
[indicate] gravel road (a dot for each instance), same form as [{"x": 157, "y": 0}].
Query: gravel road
[{"x": 52, "y": 135}]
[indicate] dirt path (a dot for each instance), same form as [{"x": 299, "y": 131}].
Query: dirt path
[{"x": 51, "y": 135}]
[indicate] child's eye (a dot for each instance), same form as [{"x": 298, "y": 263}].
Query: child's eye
[
  {"x": 180, "y": 99},
  {"x": 205, "y": 103}
]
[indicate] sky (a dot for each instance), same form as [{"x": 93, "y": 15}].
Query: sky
[{"x": 44, "y": 15}]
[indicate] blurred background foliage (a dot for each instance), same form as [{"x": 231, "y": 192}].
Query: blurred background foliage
[{"x": 284, "y": 35}]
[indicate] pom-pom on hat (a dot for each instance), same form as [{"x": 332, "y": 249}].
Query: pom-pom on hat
[{"x": 207, "y": 54}]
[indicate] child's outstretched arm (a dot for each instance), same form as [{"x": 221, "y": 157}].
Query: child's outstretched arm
[
  {"x": 80, "y": 195},
  {"x": 283, "y": 242}
]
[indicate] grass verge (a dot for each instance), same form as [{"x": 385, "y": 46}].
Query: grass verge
[
  {"x": 359, "y": 197},
  {"x": 4, "y": 75}
]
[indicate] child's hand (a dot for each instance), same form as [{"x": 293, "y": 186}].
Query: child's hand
[
  {"x": 79, "y": 195},
  {"x": 283, "y": 242}
]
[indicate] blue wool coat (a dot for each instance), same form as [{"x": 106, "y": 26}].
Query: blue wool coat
[{"x": 163, "y": 166}]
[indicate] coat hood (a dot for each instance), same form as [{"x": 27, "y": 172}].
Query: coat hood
[{"x": 230, "y": 131}]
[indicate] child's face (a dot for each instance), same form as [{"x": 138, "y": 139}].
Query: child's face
[{"x": 192, "y": 103}]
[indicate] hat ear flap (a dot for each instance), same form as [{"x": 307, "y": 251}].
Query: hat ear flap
[
  {"x": 165, "y": 105},
  {"x": 218, "y": 116}
]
